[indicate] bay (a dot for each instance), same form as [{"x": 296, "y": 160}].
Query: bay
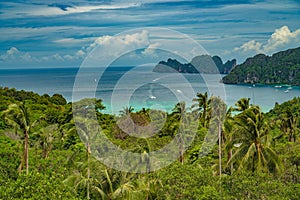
[{"x": 140, "y": 87}]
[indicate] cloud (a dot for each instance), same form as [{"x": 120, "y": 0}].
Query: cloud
[
  {"x": 111, "y": 45},
  {"x": 250, "y": 46},
  {"x": 150, "y": 50},
  {"x": 281, "y": 38},
  {"x": 115, "y": 45},
  {"x": 13, "y": 54}
]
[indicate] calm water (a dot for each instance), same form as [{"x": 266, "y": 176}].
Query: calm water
[{"x": 139, "y": 87}]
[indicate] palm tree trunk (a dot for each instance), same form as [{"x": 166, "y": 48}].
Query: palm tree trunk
[
  {"x": 231, "y": 164},
  {"x": 180, "y": 150},
  {"x": 220, "y": 150},
  {"x": 26, "y": 150},
  {"x": 88, "y": 170}
]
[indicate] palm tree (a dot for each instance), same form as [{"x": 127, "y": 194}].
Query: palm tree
[
  {"x": 17, "y": 115},
  {"x": 289, "y": 122},
  {"x": 88, "y": 130},
  {"x": 81, "y": 180},
  {"x": 45, "y": 138},
  {"x": 242, "y": 104},
  {"x": 202, "y": 107},
  {"x": 251, "y": 137},
  {"x": 227, "y": 129},
  {"x": 218, "y": 111},
  {"x": 179, "y": 112},
  {"x": 120, "y": 185},
  {"x": 126, "y": 111}
]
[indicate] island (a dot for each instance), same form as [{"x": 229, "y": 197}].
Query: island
[
  {"x": 199, "y": 64},
  {"x": 280, "y": 68}
]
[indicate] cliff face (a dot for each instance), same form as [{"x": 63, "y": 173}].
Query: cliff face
[
  {"x": 282, "y": 67},
  {"x": 203, "y": 64}
]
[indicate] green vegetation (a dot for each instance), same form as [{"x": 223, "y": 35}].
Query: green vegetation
[
  {"x": 280, "y": 68},
  {"x": 256, "y": 155}
]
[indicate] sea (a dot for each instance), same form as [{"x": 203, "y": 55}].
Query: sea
[{"x": 139, "y": 87}]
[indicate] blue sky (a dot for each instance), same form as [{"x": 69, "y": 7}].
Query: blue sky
[{"x": 42, "y": 33}]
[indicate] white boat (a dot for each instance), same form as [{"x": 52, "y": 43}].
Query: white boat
[
  {"x": 278, "y": 86},
  {"x": 286, "y": 91}
]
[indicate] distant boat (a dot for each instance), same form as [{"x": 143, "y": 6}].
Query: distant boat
[
  {"x": 278, "y": 86},
  {"x": 286, "y": 91},
  {"x": 289, "y": 88}
]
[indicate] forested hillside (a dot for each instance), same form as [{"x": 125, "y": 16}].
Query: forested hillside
[
  {"x": 280, "y": 68},
  {"x": 257, "y": 155}
]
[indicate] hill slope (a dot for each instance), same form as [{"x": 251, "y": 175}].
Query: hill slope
[{"x": 280, "y": 68}]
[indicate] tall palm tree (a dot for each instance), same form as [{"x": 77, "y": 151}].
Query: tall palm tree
[
  {"x": 201, "y": 107},
  {"x": 179, "y": 113},
  {"x": 242, "y": 104},
  {"x": 227, "y": 129},
  {"x": 289, "y": 122},
  {"x": 252, "y": 140},
  {"x": 88, "y": 130},
  {"x": 17, "y": 115},
  {"x": 218, "y": 113}
]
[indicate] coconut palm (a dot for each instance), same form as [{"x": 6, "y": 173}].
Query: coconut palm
[
  {"x": 17, "y": 115},
  {"x": 83, "y": 180},
  {"x": 126, "y": 110},
  {"x": 45, "y": 138},
  {"x": 227, "y": 129},
  {"x": 242, "y": 104},
  {"x": 201, "y": 107},
  {"x": 120, "y": 185},
  {"x": 251, "y": 138},
  {"x": 218, "y": 113},
  {"x": 179, "y": 113},
  {"x": 88, "y": 130},
  {"x": 289, "y": 122}
]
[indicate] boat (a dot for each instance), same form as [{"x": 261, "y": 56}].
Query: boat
[
  {"x": 289, "y": 88},
  {"x": 286, "y": 91},
  {"x": 278, "y": 86}
]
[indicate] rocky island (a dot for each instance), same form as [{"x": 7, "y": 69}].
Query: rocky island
[{"x": 203, "y": 64}]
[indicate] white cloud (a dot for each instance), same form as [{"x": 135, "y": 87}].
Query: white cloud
[
  {"x": 250, "y": 46},
  {"x": 13, "y": 54},
  {"x": 280, "y": 39},
  {"x": 114, "y": 45},
  {"x": 150, "y": 50}
]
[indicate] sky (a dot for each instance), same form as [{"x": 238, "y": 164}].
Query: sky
[{"x": 42, "y": 33}]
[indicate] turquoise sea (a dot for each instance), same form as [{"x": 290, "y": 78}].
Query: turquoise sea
[{"x": 139, "y": 87}]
